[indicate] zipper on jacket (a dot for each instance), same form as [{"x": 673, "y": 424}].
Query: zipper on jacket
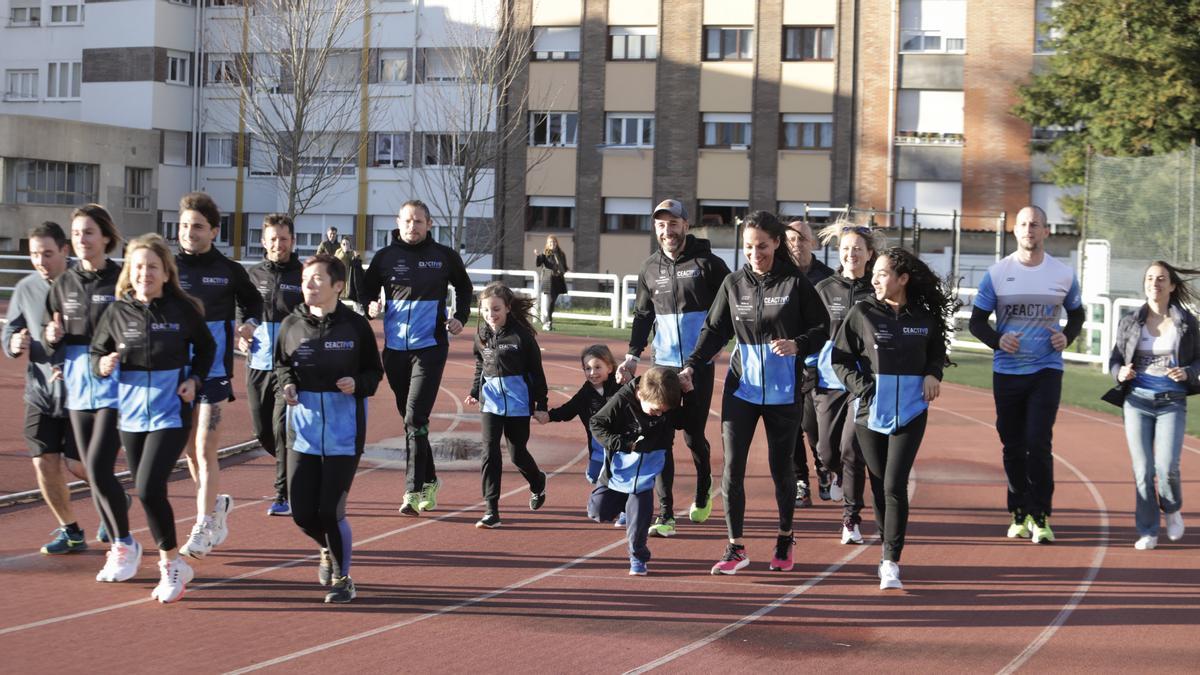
[
  {"x": 762, "y": 357},
  {"x": 678, "y": 316}
]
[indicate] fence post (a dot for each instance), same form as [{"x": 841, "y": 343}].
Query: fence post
[
  {"x": 902, "y": 215},
  {"x": 916, "y": 247},
  {"x": 956, "y": 246},
  {"x": 1001, "y": 223}
]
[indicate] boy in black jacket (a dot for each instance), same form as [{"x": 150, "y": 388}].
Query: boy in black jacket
[{"x": 636, "y": 434}]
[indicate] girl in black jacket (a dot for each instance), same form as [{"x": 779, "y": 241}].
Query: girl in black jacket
[{"x": 599, "y": 367}]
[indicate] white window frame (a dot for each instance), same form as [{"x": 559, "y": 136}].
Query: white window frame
[
  {"x": 556, "y": 43},
  {"x": 641, "y": 124},
  {"x": 446, "y": 59},
  {"x": 625, "y": 41},
  {"x": 179, "y": 68},
  {"x": 54, "y": 80},
  {"x": 390, "y": 57},
  {"x": 926, "y": 27},
  {"x": 222, "y": 70},
  {"x": 714, "y": 124},
  {"x": 25, "y": 15},
  {"x": 64, "y": 12},
  {"x": 568, "y": 129},
  {"x": 816, "y": 127},
  {"x": 540, "y": 202},
  {"x": 396, "y": 140},
  {"x": 215, "y": 145},
  {"x": 446, "y": 147},
  {"x": 54, "y": 180},
  {"x": 622, "y": 209},
  {"x": 21, "y": 84},
  {"x": 137, "y": 188}
]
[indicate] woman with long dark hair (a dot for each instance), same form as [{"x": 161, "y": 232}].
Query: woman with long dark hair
[
  {"x": 890, "y": 354},
  {"x": 553, "y": 262},
  {"x": 1156, "y": 363}
]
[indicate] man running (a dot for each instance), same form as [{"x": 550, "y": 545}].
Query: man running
[{"x": 1028, "y": 291}]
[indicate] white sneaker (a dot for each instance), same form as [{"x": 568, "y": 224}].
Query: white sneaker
[
  {"x": 836, "y": 493},
  {"x": 121, "y": 562},
  {"x": 1175, "y": 526},
  {"x": 1146, "y": 543},
  {"x": 851, "y": 534},
  {"x": 199, "y": 542},
  {"x": 173, "y": 580},
  {"x": 889, "y": 576},
  {"x": 220, "y": 519}
]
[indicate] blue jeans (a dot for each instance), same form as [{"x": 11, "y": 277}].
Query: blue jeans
[{"x": 1154, "y": 429}]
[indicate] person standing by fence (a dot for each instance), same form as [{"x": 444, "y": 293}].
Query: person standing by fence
[{"x": 553, "y": 262}]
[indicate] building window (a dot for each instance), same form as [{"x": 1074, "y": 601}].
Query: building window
[
  {"x": 25, "y": 13},
  {"x": 222, "y": 70},
  {"x": 62, "y": 79},
  {"x": 808, "y": 132},
  {"x": 623, "y": 214},
  {"x": 728, "y": 44},
  {"x": 63, "y": 183},
  {"x": 555, "y": 44},
  {"x": 551, "y": 213},
  {"x": 66, "y": 14},
  {"x": 169, "y": 229},
  {"x": 175, "y": 148},
  {"x": 218, "y": 150},
  {"x": 442, "y": 65},
  {"x": 442, "y": 150},
  {"x": 20, "y": 85},
  {"x": 393, "y": 67},
  {"x": 137, "y": 189},
  {"x": 391, "y": 149},
  {"x": 553, "y": 129},
  {"x": 631, "y": 129},
  {"x": 179, "y": 68},
  {"x": 808, "y": 43},
  {"x": 721, "y": 213},
  {"x": 933, "y": 25},
  {"x": 934, "y": 201},
  {"x": 1043, "y": 35},
  {"x": 929, "y": 116},
  {"x": 727, "y": 130},
  {"x": 632, "y": 43}
]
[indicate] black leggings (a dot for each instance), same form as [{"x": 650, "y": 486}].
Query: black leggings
[
  {"x": 808, "y": 428},
  {"x": 889, "y": 462},
  {"x": 738, "y": 422},
  {"x": 415, "y": 377},
  {"x": 98, "y": 442},
  {"x": 268, "y": 416},
  {"x": 691, "y": 418},
  {"x": 152, "y": 456},
  {"x": 1026, "y": 407},
  {"x": 318, "y": 487},
  {"x": 516, "y": 430},
  {"x": 839, "y": 449}
]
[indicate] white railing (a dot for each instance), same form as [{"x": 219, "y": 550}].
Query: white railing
[
  {"x": 533, "y": 289},
  {"x": 628, "y": 297}
]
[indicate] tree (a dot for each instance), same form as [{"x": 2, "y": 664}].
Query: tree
[{"x": 1124, "y": 80}]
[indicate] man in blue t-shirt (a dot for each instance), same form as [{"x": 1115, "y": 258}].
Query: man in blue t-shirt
[{"x": 1028, "y": 291}]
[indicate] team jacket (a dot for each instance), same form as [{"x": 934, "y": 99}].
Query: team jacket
[
  {"x": 416, "y": 278},
  {"x": 756, "y": 310},
  {"x": 585, "y": 404},
  {"x": 44, "y": 392},
  {"x": 313, "y": 354},
  {"x": 635, "y": 443},
  {"x": 278, "y": 285},
  {"x": 838, "y": 294},
  {"x": 509, "y": 380},
  {"x": 673, "y": 297},
  {"x": 883, "y": 359},
  {"x": 220, "y": 284},
  {"x": 160, "y": 344},
  {"x": 82, "y": 298}
]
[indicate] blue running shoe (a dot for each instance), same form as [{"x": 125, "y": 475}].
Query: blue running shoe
[
  {"x": 637, "y": 568},
  {"x": 279, "y": 507},
  {"x": 621, "y": 521},
  {"x": 64, "y": 543}
]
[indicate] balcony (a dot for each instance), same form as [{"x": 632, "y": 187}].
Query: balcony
[{"x": 917, "y": 41}]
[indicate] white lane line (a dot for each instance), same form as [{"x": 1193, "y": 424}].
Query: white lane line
[{"x": 1088, "y": 578}]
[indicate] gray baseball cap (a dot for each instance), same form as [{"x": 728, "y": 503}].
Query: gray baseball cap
[{"x": 673, "y": 207}]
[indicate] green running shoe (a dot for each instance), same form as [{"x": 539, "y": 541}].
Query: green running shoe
[
  {"x": 1019, "y": 528},
  {"x": 428, "y": 500},
  {"x": 699, "y": 513},
  {"x": 664, "y": 526},
  {"x": 1039, "y": 528},
  {"x": 410, "y": 506}
]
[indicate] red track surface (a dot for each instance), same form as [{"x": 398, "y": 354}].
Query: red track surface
[{"x": 548, "y": 592}]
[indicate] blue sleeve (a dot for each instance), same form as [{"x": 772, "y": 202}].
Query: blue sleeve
[{"x": 985, "y": 299}]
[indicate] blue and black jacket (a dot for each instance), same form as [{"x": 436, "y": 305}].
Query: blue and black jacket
[
  {"x": 83, "y": 298},
  {"x": 816, "y": 273},
  {"x": 509, "y": 380},
  {"x": 278, "y": 285},
  {"x": 415, "y": 278},
  {"x": 883, "y": 356},
  {"x": 757, "y": 310},
  {"x": 584, "y": 404},
  {"x": 635, "y": 443},
  {"x": 223, "y": 287},
  {"x": 673, "y": 297},
  {"x": 313, "y": 353},
  {"x": 838, "y": 294},
  {"x": 161, "y": 344}
]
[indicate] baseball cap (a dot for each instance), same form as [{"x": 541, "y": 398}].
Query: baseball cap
[{"x": 672, "y": 206}]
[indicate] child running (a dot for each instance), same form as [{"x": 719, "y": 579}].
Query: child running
[
  {"x": 636, "y": 432},
  {"x": 510, "y": 385},
  {"x": 599, "y": 367}
]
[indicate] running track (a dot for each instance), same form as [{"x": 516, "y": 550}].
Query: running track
[{"x": 548, "y": 592}]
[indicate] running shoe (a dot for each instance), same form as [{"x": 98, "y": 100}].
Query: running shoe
[
  {"x": 803, "y": 495},
  {"x": 428, "y": 500},
  {"x": 279, "y": 507},
  {"x": 637, "y": 568},
  {"x": 622, "y": 520},
  {"x": 220, "y": 519},
  {"x": 782, "y": 560},
  {"x": 851, "y": 533},
  {"x": 199, "y": 542},
  {"x": 173, "y": 579},
  {"x": 889, "y": 576},
  {"x": 1019, "y": 528},
  {"x": 325, "y": 568},
  {"x": 411, "y": 504},
  {"x": 1146, "y": 542},
  {"x": 64, "y": 542},
  {"x": 1175, "y": 526},
  {"x": 663, "y": 526},
  {"x": 121, "y": 562},
  {"x": 343, "y": 591},
  {"x": 733, "y": 560},
  {"x": 489, "y": 521},
  {"x": 536, "y": 500},
  {"x": 823, "y": 482},
  {"x": 1039, "y": 528},
  {"x": 699, "y": 512},
  {"x": 835, "y": 488},
  {"x": 102, "y": 535}
]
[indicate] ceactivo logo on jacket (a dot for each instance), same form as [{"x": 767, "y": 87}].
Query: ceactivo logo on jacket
[
  {"x": 339, "y": 345},
  {"x": 214, "y": 281}
]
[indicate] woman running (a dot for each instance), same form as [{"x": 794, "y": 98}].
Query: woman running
[
  {"x": 1156, "y": 363},
  {"x": 777, "y": 320},
  {"x": 77, "y": 301},
  {"x": 890, "y": 353},
  {"x": 328, "y": 364},
  {"x": 511, "y": 386},
  {"x": 155, "y": 335}
]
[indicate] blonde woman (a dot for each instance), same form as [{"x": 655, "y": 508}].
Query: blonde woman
[{"x": 553, "y": 262}]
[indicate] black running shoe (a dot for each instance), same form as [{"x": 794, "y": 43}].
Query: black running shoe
[
  {"x": 343, "y": 591},
  {"x": 489, "y": 520}
]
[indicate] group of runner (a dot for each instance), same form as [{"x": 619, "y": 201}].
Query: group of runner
[{"x": 140, "y": 356}]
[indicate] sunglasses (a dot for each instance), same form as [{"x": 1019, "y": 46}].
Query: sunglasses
[{"x": 857, "y": 229}]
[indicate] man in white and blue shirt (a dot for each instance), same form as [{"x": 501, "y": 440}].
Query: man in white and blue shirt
[{"x": 1028, "y": 291}]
